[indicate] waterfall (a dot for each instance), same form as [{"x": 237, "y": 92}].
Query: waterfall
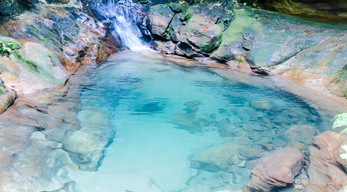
[{"x": 123, "y": 17}]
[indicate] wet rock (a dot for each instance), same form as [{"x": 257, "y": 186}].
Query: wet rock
[
  {"x": 86, "y": 149},
  {"x": 214, "y": 158},
  {"x": 275, "y": 170},
  {"x": 301, "y": 133},
  {"x": 159, "y": 19},
  {"x": 297, "y": 145},
  {"x": 324, "y": 171},
  {"x": 279, "y": 142},
  {"x": 251, "y": 153}
]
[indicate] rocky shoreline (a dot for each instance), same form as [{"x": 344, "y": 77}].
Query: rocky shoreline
[{"x": 253, "y": 40}]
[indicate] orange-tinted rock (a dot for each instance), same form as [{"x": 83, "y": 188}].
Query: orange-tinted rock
[
  {"x": 275, "y": 170},
  {"x": 324, "y": 171}
]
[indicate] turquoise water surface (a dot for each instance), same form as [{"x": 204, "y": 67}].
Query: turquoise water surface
[{"x": 172, "y": 128}]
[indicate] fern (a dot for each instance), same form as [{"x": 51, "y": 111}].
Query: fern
[{"x": 340, "y": 121}]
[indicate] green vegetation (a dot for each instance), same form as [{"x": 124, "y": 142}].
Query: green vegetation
[
  {"x": 340, "y": 121},
  {"x": 7, "y": 46}
]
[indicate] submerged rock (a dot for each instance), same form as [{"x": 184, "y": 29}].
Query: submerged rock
[
  {"x": 301, "y": 133},
  {"x": 275, "y": 170},
  {"x": 215, "y": 158},
  {"x": 262, "y": 105}
]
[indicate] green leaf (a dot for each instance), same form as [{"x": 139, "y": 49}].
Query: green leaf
[{"x": 340, "y": 121}]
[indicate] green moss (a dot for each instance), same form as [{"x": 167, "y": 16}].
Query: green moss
[
  {"x": 1, "y": 91},
  {"x": 8, "y": 45},
  {"x": 32, "y": 66}
]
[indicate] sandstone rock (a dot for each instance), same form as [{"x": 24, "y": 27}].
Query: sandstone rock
[
  {"x": 324, "y": 171},
  {"x": 275, "y": 170}
]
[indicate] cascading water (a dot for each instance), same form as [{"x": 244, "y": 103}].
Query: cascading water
[{"x": 123, "y": 17}]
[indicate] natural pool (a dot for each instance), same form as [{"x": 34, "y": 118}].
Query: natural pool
[{"x": 172, "y": 128}]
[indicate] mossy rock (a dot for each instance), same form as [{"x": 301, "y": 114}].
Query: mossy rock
[
  {"x": 34, "y": 68},
  {"x": 10, "y": 42},
  {"x": 159, "y": 19}
]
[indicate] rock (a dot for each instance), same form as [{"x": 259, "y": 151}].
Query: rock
[
  {"x": 7, "y": 97},
  {"x": 35, "y": 68},
  {"x": 10, "y": 42},
  {"x": 279, "y": 142},
  {"x": 214, "y": 158},
  {"x": 251, "y": 153},
  {"x": 324, "y": 171},
  {"x": 202, "y": 33},
  {"x": 11, "y": 7},
  {"x": 301, "y": 133},
  {"x": 73, "y": 36},
  {"x": 159, "y": 19},
  {"x": 297, "y": 145},
  {"x": 168, "y": 48},
  {"x": 86, "y": 149},
  {"x": 275, "y": 170},
  {"x": 262, "y": 105}
]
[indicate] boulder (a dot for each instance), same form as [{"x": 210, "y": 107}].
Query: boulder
[
  {"x": 275, "y": 170},
  {"x": 324, "y": 171},
  {"x": 34, "y": 68},
  {"x": 159, "y": 19},
  {"x": 202, "y": 33}
]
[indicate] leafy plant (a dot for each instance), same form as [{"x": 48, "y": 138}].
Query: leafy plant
[
  {"x": 7, "y": 47},
  {"x": 340, "y": 121}
]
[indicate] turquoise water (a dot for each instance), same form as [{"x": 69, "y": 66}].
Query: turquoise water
[{"x": 169, "y": 128}]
